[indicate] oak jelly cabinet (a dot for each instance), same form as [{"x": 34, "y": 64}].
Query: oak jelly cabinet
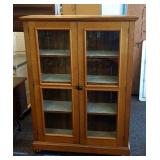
[{"x": 80, "y": 75}]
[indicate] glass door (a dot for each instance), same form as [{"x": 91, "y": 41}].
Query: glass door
[
  {"x": 102, "y": 53},
  {"x": 57, "y": 59},
  {"x": 104, "y": 84},
  {"x": 101, "y": 113},
  {"x": 57, "y": 108},
  {"x": 54, "y": 52}
]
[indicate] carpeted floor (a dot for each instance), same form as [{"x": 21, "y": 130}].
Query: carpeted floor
[{"x": 22, "y": 140}]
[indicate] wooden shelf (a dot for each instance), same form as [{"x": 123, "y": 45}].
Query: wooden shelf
[
  {"x": 102, "y": 54},
  {"x": 102, "y": 79},
  {"x": 55, "y": 78},
  {"x": 53, "y": 53},
  {"x": 93, "y": 108},
  {"x": 58, "y": 131},
  {"x": 57, "y": 106},
  {"x": 102, "y": 108},
  {"x": 101, "y": 134}
]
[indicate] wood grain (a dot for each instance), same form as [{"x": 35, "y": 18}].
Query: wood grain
[
  {"x": 77, "y": 18},
  {"x": 79, "y": 148},
  {"x": 129, "y": 82},
  {"x": 94, "y": 118},
  {"x": 138, "y": 10}
]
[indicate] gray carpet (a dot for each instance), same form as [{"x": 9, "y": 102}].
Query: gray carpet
[
  {"x": 22, "y": 140},
  {"x": 138, "y": 128}
]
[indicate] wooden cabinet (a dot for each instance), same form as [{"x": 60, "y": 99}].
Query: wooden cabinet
[
  {"x": 138, "y": 10},
  {"x": 27, "y": 9},
  {"x": 19, "y": 101},
  {"x": 80, "y": 82},
  {"x": 81, "y": 9}
]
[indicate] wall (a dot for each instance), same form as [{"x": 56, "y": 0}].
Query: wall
[
  {"x": 18, "y": 42},
  {"x": 29, "y": 9},
  {"x": 140, "y": 35},
  {"x": 81, "y": 9},
  {"x": 112, "y": 9}
]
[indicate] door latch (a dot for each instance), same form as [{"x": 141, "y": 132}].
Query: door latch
[{"x": 79, "y": 87}]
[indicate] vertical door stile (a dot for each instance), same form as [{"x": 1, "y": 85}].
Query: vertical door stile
[
  {"x": 37, "y": 91},
  {"x": 74, "y": 68},
  {"x": 122, "y": 82},
  {"x": 80, "y": 37},
  {"x": 30, "y": 79}
]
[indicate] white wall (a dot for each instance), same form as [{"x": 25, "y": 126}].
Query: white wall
[
  {"x": 112, "y": 9},
  {"x": 18, "y": 42},
  {"x": 142, "y": 88}
]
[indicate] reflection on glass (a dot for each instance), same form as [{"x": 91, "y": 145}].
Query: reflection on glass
[
  {"x": 54, "y": 53},
  {"x": 57, "y": 107},
  {"x": 102, "y": 113}
]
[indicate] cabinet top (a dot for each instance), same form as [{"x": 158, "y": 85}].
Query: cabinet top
[{"x": 81, "y": 18}]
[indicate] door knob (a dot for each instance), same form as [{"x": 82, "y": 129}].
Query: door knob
[{"x": 79, "y": 87}]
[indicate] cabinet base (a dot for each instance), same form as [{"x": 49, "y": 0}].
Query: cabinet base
[{"x": 79, "y": 148}]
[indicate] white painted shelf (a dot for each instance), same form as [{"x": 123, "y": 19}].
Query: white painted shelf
[
  {"x": 92, "y": 108},
  {"x": 57, "y": 106},
  {"x": 55, "y": 78},
  {"x": 58, "y": 131},
  {"x": 101, "y": 134},
  {"x": 102, "y": 108},
  {"x": 102, "y": 79},
  {"x": 53, "y": 52},
  {"x": 102, "y": 54}
]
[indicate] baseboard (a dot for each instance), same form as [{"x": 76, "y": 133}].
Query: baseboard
[{"x": 64, "y": 147}]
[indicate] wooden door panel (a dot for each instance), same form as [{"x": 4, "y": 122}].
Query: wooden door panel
[
  {"x": 56, "y": 98},
  {"x": 104, "y": 56}
]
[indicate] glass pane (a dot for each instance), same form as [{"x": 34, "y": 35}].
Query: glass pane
[
  {"x": 102, "y": 56},
  {"x": 102, "y": 113},
  {"x": 57, "y": 107},
  {"x": 54, "y": 53}
]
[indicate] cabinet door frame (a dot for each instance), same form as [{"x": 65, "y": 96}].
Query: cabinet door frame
[
  {"x": 120, "y": 88},
  {"x": 37, "y": 85}
]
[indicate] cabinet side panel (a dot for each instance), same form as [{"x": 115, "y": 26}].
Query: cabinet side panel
[
  {"x": 129, "y": 81},
  {"x": 30, "y": 79},
  {"x": 122, "y": 81},
  {"x": 36, "y": 81}
]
